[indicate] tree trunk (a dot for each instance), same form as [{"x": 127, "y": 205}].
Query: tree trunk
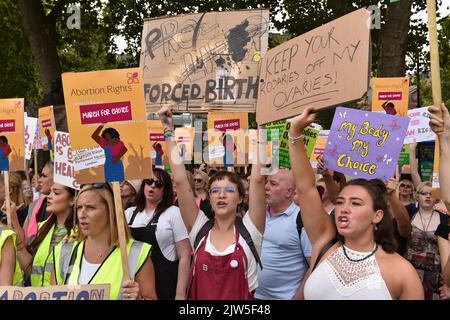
[
  {"x": 41, "y": 33},
  {"x": 393, "y": 40}
]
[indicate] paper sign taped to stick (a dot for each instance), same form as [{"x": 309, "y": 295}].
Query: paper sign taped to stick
[
  {"x": 30, "y": 132},
  {"x": 204, "y": 61},
  {"x": 419, "y": 126},
  {"x": 68, "y": 292},
  {"x": 12, "y": 146},
  {"x": 323, "y": 67},
  {"x": 107, "y": 125},
  {"x": 390, "y": 95},
  {"x": 364, "y": 144},
  {"x": 63, "y": 167}
]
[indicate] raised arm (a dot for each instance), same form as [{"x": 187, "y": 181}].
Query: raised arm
[
  {"x": 185, "y": 194},
  {"x": 444, "y": 148},
  {"x": 96, "y": 134},
  {"x": 398, "y": 209},
  {"x": 257, "y": 191},
  {"x": 316, "y": 221},
  {"x": 414, "y": 165},
  {"x": 332, "y": 186}
]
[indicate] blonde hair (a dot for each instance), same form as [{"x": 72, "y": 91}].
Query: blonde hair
[
  {"x": 106, "y": 196},
  {"x": 412, "y": 196},
  {"x": 423, "y": 185},
  {"x": 16, "y": 189},
  {"x": 204, "y": 177}
]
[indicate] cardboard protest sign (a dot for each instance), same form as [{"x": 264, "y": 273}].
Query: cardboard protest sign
[
  {"x": 63, "y": 168},
  {"x": 390, "y": 95},
  {"x": 107, "y": 125},
  {"x": 30, "y": 132},
  {"x": 227, "y": 132},
  {"x": 47, "y": 126},
  {"x": 319, "y": 147},
  {"x": 204, "y": 61},
  {"x": 68, "y": 292},
  {"x": 12, "y": 147},
  {"x": 323, "y": 67},
  {"x": 364, "y": 144},
  {"x": 184, "y": 137},
  {"x": 158, "y": 146},
  {"x": 419, "y": 126}
]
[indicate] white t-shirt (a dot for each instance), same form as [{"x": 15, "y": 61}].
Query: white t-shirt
[
  {"x": 87, "y": 271},
  {"x": 256, "y": 236},
  {"x": 169, "y": 231}
]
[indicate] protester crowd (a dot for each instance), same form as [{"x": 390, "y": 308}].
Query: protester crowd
[{"x": 278, "y": 235}]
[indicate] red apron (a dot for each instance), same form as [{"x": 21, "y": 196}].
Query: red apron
[{"x": 219, "y": 277}]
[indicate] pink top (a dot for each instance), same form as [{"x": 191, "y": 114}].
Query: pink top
[
  {"x": 5, "y": 150},
  {"x": 113, "y": 149}
]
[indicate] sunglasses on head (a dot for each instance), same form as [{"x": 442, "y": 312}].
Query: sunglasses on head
[{"x": 158, "y": 184}]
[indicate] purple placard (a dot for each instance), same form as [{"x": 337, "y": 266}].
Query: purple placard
[{"x": 365, "y": 144}]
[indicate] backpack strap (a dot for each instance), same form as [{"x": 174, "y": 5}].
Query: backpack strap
[
  {"x": 203, "y": 232},
  {"x": 299, "y": 223},
  {"x": 324, "y": 250},
  {"x": 248, "y": 239}
]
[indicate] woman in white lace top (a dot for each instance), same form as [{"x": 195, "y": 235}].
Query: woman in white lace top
[{"x": 361, "y": 263}]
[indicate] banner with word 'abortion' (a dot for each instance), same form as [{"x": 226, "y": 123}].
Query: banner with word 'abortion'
[
  {"x": 63, "y": 168},
  {"x": 68, "y": 292},
  {"x": 365, "y": 144},
  {"x": 204, "y": 61}
]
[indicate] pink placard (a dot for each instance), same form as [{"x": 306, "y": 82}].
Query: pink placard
[
  {"x": 229, "y": 124},
  {"x": 105, "y": 112},
  {"x": 156, "y": 137},
  {"x": 8, "y": 125},
  {"x": 46, "y": 123},
  {"x": 389, "y": 96}
]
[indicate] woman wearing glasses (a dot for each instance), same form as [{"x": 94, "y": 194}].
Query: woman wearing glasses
[
  {"x": 156, "y": 221},
  {"x": 94, "y": 257},
  {"x": 224, "y": 263},
  {"x": 406, "y": 195}
]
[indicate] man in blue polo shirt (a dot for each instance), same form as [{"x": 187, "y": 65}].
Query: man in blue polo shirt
[{"x": 284, "y": 256}]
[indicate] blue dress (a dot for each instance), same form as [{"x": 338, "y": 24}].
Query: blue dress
[
  {"x": 4, "y": 163},
  {"x": 113, "y": 172}
]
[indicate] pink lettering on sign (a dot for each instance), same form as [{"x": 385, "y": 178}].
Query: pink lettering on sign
[
  {"x": 223, "y": 125},
  {"x": 319, "y": 150},
  {"x": 46, "y": 123},
  {"x": 156, "y": 137},
  {"x": 389, "y": 96},
  {"x": 183, "y": 139},
  {"x": 8, "y": 125},
  {"x": 415, "y": 122},
  {"x": 105, "y": 112}
]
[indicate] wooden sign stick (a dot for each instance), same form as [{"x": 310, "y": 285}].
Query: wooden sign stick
[
  {"x": 7, "y": 198},
  {"x": 121, "y": 229},
  {"x": 434, "y": 58}
]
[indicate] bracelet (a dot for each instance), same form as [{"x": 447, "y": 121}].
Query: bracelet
[
  {"x": 168, "y": 135},
  {"x": 293, "y": 140}
]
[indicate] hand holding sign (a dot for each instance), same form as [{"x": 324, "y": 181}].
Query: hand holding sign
[
  {"x": 301, "y": 121},
  {"x": 440, "y": 120},
  {"x": 166, "y": 116}
]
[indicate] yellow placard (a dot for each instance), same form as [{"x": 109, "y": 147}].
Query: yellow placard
[
  {"x": 184, "y": 138},
  {"x": 47, "y": 126},
  {"x": 107, "y": 125},
  {"x": 12, "y": 145},
  {"x": 391, "y": 95},
  {"x": 158, "y": 146}
]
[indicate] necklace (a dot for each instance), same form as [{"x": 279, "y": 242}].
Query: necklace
[
  {"x": 99, "y": 255},
  {"x": 362, "y": 259},
  {"x": 423, "y": 224}
]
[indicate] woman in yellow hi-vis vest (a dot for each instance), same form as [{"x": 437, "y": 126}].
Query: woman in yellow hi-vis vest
[
  {"x": 57, "y": 228},
  {"x": 94, "y": 258},
  {"x": 10, "y": 273}
]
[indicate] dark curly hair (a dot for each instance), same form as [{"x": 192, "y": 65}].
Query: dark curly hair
[
  {"x": 384, "y": 233},
  {"x": 112, "y": 132},
  {"x": 4, "y": 139}
]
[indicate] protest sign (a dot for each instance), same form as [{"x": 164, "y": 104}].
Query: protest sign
[
  {"x": 158, "y": 146},
  {"x": 47, "y": 126},
  {"x": 63, "y": 168},
  {"x": 390, "y": 95},
  {"x": 204, "y": 61},
  {"x": 365, "y": 144},
  {"x": 319, "y": 147},
  {"x": 323, "y": 67},
  {"x": 184, "y": 137},
  {"x": 67, "y": 292},
  {"x": 30, "y": 133},
  {"x": 404, "y": 155},
  {"x": 227, "y": 135},
  {"x": 252, "y": 145},
  {"x": 107, "y": 125},
  {"x": 12, "y": 147},
  {"x": 435, "y": 176},
  {"x": 419, "y": 126}
]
